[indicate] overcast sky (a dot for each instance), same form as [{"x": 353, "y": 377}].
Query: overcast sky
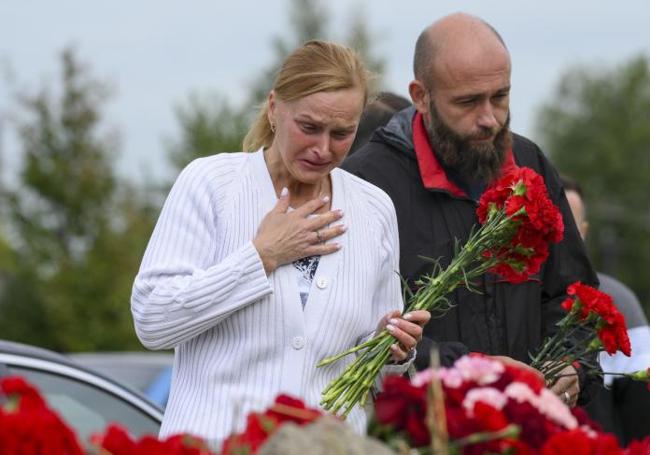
[{"x": 154, "y": 53}]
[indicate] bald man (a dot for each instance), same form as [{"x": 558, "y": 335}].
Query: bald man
[{"x": 435, "y": 160}]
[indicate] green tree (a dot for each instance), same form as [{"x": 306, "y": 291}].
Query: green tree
[
  {"x": 596, "y": 130},
  {"x": 208, "y": 125},
  {"x": 363, "y": 39},
  {"x": 79, "y": 231},
  {"x": 308, "y": 19}
]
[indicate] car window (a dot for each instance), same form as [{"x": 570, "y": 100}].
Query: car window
[{"x": 86, "y": 408}]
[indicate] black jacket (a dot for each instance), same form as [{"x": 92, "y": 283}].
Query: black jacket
[{"x": 505, "y": 319}]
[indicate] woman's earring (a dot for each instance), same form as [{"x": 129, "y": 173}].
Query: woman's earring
[{"x": 273, "y": 128}]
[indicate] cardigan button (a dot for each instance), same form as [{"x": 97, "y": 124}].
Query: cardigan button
[
  {"x": 322, "y": 282},
  {"x": 298, "y": 343}
]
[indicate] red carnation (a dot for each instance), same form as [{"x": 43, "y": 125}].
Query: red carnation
[
  {"x": 641, "y": 447},
  {"x": 116, "y": 440},
  {"x": 289, "y": 409},
  {"x": 536, "y": 222},
  {"x": 403, "y": 406},
  {"x": 587, "y": 302},
  {"x": 259, "y": 427},
  {"x": 29, "y": 396},
  {"x": 574, "y": 442}
]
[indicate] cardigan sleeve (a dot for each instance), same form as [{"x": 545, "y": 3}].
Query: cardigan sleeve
[{"x": 179, "y": 292}]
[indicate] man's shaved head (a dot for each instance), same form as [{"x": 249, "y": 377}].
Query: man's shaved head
[{"x": 455, "y": 28}]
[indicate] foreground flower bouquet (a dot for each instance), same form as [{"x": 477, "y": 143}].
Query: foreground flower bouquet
[
  {"x": 518, "y": 222},
  {"x": 489, "y": 407},
  {"x": 28, "y": 426}
]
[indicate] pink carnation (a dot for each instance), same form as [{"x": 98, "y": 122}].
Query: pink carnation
[
  {"x": 479, "y": 369},
  {"x": 450, "y": 377},
  {"x": 488, "y": 395},
  {"x": 547, "y": 403},
  {"x": 553, "y": 408},
  {"x": 423, "y": 377}
]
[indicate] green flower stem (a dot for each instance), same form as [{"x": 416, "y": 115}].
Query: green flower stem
[
  {"x": 353, "y": 385},
  {"x": 368, "y": 344},
  {"x": 512, "y": 431}
]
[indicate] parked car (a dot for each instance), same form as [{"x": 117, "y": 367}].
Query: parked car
[
  {"x": 147, "y": 372},
  {"x": 88, "y": 401}
]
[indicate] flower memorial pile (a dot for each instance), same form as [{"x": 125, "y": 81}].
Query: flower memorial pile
[
  {"x": 490, "y": 407},
  {"x": 518, "y": 222}
]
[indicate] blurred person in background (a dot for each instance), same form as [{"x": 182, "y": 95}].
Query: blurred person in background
[
  {"x": 621, "y": 407},
  {"x": 378, "y": 112},
  {"x": 263, "y": 263}
]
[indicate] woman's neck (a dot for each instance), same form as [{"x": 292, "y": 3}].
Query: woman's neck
[{"x": 299, "y": 192}]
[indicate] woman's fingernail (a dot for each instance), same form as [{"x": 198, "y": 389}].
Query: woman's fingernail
[
  {"x": 390, "y": 328},
  {"x": 393, "y": 321},
  {"x": 344, "y": 228},
  {"x": 326, "y": 198},
  {"x": 340, "y": 212},
  {"x": 407, "y": 316},
  {"x": 284, "y": 191}
]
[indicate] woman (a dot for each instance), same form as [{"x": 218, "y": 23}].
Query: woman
[{"x": 263, "y": 263}]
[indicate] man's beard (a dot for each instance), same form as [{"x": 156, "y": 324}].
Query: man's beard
[{"x": 481, "y": 162}]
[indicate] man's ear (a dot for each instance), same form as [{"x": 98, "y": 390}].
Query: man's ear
[{"x": 419, "y": 96}]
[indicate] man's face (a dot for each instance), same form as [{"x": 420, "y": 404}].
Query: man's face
[
  {"x": 578, "y": 212},
  {"x": 476, "y": 155},
  {"x": 465, "y": 102}
]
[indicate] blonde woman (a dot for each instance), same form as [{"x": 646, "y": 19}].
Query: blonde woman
[{"x": 263, "y": 263}]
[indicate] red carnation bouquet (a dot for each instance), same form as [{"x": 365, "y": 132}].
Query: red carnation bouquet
[
  {"x": 488, "y": 407},
  {"x": 518, "y": 223},
  {"x": 593, "y": 324},
  {"x": 28, "y": 425}
]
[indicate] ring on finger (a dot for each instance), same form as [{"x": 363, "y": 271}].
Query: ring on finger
[{"x": 318, "y": 236}]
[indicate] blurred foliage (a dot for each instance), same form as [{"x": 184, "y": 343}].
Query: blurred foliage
[
  {"x": 78, "y": 232},
  {"x": 596, "y": 131},
  {"x": 209, "y": 124}
]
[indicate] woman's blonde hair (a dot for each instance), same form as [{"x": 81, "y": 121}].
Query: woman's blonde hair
[{"x": 317, "y": 66}]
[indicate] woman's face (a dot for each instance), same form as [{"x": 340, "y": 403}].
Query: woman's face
[{"x": 314, "y": 133}]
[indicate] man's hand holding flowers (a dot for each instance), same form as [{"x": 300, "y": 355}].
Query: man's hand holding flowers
[{"x": 567, "y": 385}]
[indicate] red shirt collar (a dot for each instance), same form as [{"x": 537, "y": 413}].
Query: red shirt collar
[{"x": 432, "y": 173}]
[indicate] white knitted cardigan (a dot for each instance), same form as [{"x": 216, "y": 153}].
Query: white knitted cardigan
[{"x": 240, "y": 337}]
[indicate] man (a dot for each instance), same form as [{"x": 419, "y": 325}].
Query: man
[
  {"x": 435, "y": 160},
  {"x": 623, "y": 408}
]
